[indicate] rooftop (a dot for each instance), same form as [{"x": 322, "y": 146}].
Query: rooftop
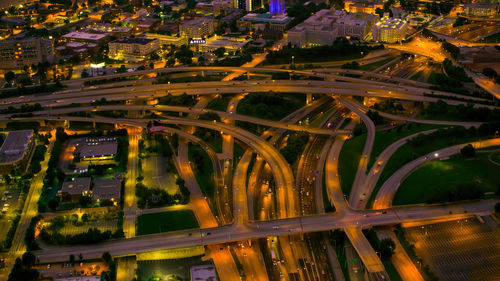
[
  {"x": 390, "y": 23},
  {"x": 106, "y": 189},
  {"x": 203, "y": 273},
  {"x": 136, "y": 40},
  {"x": 97, "y": 147},
  {"x": 266, "y": 17},
  {"x": 14, "y": 146},
  {"x": 84, "y": 36},
  {"x": 77, "y": 186}
]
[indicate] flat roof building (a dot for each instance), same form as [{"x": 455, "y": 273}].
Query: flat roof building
[
  {"x": 98, "y": 148},
  {"x": 390, "y": 30},
  {"x": 85, "y": 37},
  {"x": 106, "y": 190},
  {"x": 133, "y": 48},
  {"x": 18, "y": 51},
  {"x": 204, "y": 272},
  {"x": 16, "y": 151},
  {"x": 74, "y": 189},
  {"x": 317, "y": 30},
  {"x": 254, "y": 21},
  {"x": 230, "y": 43},
  {"x": 197, "y": 27}
]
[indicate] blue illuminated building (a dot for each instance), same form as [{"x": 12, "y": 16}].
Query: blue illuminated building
[{"x": 277, "y": 7}]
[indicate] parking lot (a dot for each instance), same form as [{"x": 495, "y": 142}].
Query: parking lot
[
  {"x": 68, "y": 270},
  {"x": 103, "y": 225},
  {"x": 10, "y": 203},
  {"x": 459, "y": 250}
]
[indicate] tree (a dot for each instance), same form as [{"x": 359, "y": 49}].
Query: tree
[
  {"x": 85, "y": 74},
  {"x": 386, "y": 248},
  {"x": 106, "y": 256},
  {"x": 497, "y": 208},
  {"x": 9, "y": 76},
  {"x": 28, "y": 259},
  {"x": 490, "y": 72},
  {"x": 468, "y": 151},
  {"x": 219, "y": 52},
  {"x": 85, "y": 200},
  {"x": 121, "y": 69},
  {"x": 72, "y": 259}
]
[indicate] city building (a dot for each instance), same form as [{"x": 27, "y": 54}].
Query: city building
[
  {"x": 481, "y": 9},
  {"x": 277, "y": 7},
  {"x": 18, "y": 51},
  {"x": 204, "y": 272},
  {"x": 213, "y": 7},
  {"x": 74, "y": 189},
  {"x": 107, "y": 28},
  {"x": 85, "y": 37},
  {"x": 317, "y": 30},
  {"x": 363, "y": 6},
  {"x": 132, "y": 48},
  {"x": 82, "y": 50},
  {"x": 16, "y": 151},
  {"x": 230, "y": 43},
  {"x": 96, "y": 148},
  {"x": 107, "y": 190},
  {"x": 81, "y": 278},
  {"x": 248, "y": 5},
  {"x": 167, "y": 39},
  {"x": 390, "y": 30},
  {"x": 357, "y": 25},
  {"x": 253, "y": 21},
  {"x": 197, "y": 27}
]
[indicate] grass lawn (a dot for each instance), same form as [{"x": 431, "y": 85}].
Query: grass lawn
[
  {"x": 391, "y": 270},
  {"x": 417, "y": 75},
  {"x": 385, "y": 138},
  {"x": 420, "y": 185},
  {"x": 316, "y": 122},
  {"x": 432, "y": 78},
  {"x": 495, "y": 38},
  {"x": 406, "y": 153},
  {"x": 375, "y": 65},
  {"x": 219, "y": 104},
  {"x": 349, "y": 161},
  {"x": 205, "y": 176},
  {"x": 166, "y": 221}
]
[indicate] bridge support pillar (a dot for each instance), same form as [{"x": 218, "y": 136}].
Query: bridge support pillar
[
  {"x": 309, "y": 99},
  {"x": 202, "y": 73},
  {"x": 93, "y": 125},
  {"x": 248, "y": 75}
]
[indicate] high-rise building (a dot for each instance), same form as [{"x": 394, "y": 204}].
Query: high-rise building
[
  {"x": 18, "y": 51},
  {"x": 277, "y": 7},
  {"x": 248, "y": 5},
  {"x": 390, "y": 30}
]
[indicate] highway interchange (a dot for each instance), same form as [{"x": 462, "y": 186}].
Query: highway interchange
[{"x": 253, "y": 217}]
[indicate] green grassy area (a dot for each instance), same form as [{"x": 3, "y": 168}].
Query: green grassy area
[
  {"x": 406, "y": 153},
  {"x": 417, "y": 75},
  {"x": 432, "y": 78},
  {"x": 385, "y": 138},
  {"x": 166, "y": 221},
  {"x": 219, "y": 104},
  {"x": 202, "y": 169},
  {"x": 349, "y": 161},
  {"x": 391, "y": 270},
  {"x": 317, "y": 122},
  {"x": 375, "y": 65},
  {"x": 447, "y": 174},
  {"x": 495, "y": 38},
  {"x": 270, "y": 105}
]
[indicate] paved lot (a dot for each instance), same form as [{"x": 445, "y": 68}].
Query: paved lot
[
  {"x": 459, "y": 250},
  {"x": 102, "y": 225},
  {"x": 155, "y": 176}
]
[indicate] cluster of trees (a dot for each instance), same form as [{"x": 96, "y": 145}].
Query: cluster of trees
[
  {"x": 23, "y": 109},
  {"x": 184, "y": 55},
  {"x": 375, "y": 117},
  {"x": 453, "y": 50},
  {"x": 385, "y": 246},
  {"x": 340, "y": 48},
  {"x": 269, "y": 105},
  {"x": 491, "y": 73},
  {"x": 234, "y": 61},
  {"x": 29, "y": 237},
  {"x": 54, "y": 176},
  {"x": 10, "y": 234},
  {"x": 180, "y": 100},
  {"x": 455, "y": 72},
  {"x": 122, "y": 154},
  {"x": 467, "y": 112},
  {"x": 460, "y": 21},
  {"x": 38, "y": 156},
  {"x": 23, "y": 91},
  {"x": 294, "y": 147},
  {"x": 155, "y": 197},
  {"x": 91, "y": 236},
  {"x": 468, "y": 151},
  {"x": 350, "y": 65},
  {"x": 389, "y": 106},
  {"x": 23, "y": 269},
  {"x": 463, "y": 191},
  {"x": 435, "y": 8},
  {"x": 385, "y": 9}
]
